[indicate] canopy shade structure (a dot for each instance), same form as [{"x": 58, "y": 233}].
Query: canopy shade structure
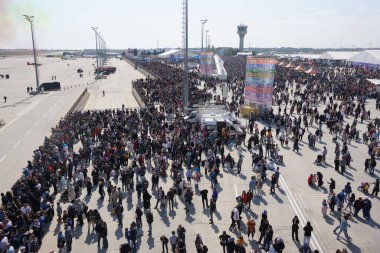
[
  {"x": 290, "y": 65},
  {"x": 367, "y": 58},
  {"x": 174, "y": 53},
  {"x": 221, "y": 72},
  {"x": 299, "y": 68},
  {"x": 337, "y": 55},
  {"x": 312, "y": 71},
  {"x": 281, "y": 63}
]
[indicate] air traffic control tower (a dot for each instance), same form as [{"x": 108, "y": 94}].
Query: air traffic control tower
[{"x": 242, "y": 31}]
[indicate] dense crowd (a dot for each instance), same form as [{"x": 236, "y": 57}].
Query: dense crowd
[{"x": 126, "y": 153}]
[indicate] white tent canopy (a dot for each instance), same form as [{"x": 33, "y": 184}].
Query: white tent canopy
[
  {"x": 220, "y": 70},
  {"x": 369, "y": 57},
  {"x": 170, "y": 53},
  {"x": 174, "y": 53},
  {"x": 337, "y": 55}
]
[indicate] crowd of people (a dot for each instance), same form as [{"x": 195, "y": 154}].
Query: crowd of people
[{"x": 126, "y": 153}]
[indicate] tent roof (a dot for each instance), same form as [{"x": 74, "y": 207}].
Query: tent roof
[
  {"x": 337, "y": 55},
  {"x": 374, "y": 81},
  {"x": 299, "y": 68},
  {"x": 168, "y": 53},
  {"x": 290, "y": 65},
  {"x": 367, "y": 56},
  {"x": 312, "y": 70}
]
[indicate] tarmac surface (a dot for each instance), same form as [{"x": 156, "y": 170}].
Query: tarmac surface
[
  {"x": 28, "y": 119},
  {"x": 294, "y": 197}
]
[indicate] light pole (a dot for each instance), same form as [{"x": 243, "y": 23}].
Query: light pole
[
  {"x": 206, "y": 39},
  {"x": 203, "y": 22},
  {"x": 30, "y": 19},
  {"x": 96, "y": 46}
]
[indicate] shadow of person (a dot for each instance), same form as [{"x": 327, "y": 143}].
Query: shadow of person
[
  {"x": 150, "y": 242},
  {"x": 119, "y": 232},
  {"x": 215, "y": 228},
  {"x": 329, "y": 220}
]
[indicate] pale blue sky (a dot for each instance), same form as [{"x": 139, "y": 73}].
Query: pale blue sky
[{"x": 141, "y": 23}]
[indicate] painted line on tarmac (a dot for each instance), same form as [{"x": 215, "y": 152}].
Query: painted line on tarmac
[
  {"x": 314, "y": 242},
  {"x": 36, "y": 124},
  {"x": 236, "y": 192},
  {"x": 21, "y": 114},
  {"x": 3, "y": 158},
  {"x": 16, "y": 144},
  {"x": 30, "y": 130},
  {"x": 44, "y": 115}
]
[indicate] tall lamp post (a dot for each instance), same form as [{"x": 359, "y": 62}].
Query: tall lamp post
[
  {"x": 30, "y": 19},
  {"x": 96, "y": 46},
  {"x": 207, "y": 40},
  {"x": 203, "y": 22}
]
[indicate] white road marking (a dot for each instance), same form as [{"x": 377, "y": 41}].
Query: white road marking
[
  {"x": 21, "y": 114},
  {"x": 16, "y": 144},
  {"x": 3, "y": 158},
  {"x": 28, "y": 132},
  {"x": 314, "y": 242},
  {"x": 44, "y": 115},
  {"x": 36, "y": 124},
  {"x": 236, "y": 193},
  {"x": 50, "y": 110}
]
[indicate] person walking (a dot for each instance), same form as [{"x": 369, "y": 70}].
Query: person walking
[
  {"x": 268, "y": 237},
  {"x": 212, "y": 210},
  {"x": 173, "y": 241},
  {"x": 204, "y": 193},
  {"x": 307, "y": 235},
  {"x": 295, "y": 227},
  {"x": 160, "y": 196},
  {"x": 69, "y": 238},
  {"x": 375, "y": 190},
  {"x": 251, "y": 228},
  {"x": 164, "y": 240},
  {"x": 119, "y": 209},
  {"x": 223, "y": 238},
  {"x": 149, "y": 220},
  {"x": 343, "y": 227},
  {"x": 61, "y": 242},
  {"x": 263, "y": 227}
]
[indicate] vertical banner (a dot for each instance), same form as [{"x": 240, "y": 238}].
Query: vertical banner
[
  {"x": 207, "y": 63},
  {"x": 259, "y": 82}
]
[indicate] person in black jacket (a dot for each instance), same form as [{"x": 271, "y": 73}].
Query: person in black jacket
[
  {"x": 295, "y": 227},
  {"x": 268, "y": 237},
  {"x": 149, "y": 220},
  {"x": 224, "y": 240},
  {"x": 308, "y": 229},
  {"x": 231, "y": 245},
  {"x": 164, "y": 240}
]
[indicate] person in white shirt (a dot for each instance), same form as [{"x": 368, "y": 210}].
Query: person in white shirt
[{"x": 25, "y": 209}]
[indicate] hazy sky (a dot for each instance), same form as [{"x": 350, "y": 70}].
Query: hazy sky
[{"x": 141, "y": 23}]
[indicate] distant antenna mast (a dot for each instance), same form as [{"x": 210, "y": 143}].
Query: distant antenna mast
[{"x": 185, "y": 53}]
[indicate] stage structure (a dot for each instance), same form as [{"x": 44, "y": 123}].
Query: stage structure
[{"x": 258, "y": 89}]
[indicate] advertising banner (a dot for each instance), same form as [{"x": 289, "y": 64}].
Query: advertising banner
[
  {"x": 207, "y": 63},
  {"x": 259, "y": 82}
]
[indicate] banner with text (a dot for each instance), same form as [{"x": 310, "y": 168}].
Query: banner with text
[{"x": 259, "y": 82}]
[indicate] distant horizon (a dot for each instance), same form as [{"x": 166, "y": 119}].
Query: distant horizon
[
  {"x": 157, "y": 24},
  {"x": 194, "y": 48}
]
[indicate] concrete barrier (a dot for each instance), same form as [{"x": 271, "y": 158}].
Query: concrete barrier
[
  {"x": 137, "y": 97},
  {"x": 80, "y": 102}
]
